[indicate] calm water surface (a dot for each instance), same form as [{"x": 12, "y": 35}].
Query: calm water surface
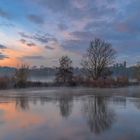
[{"x": 69, "y": 117}]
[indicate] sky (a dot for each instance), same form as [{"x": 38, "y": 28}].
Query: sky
[{"x": 39, "y": 32}]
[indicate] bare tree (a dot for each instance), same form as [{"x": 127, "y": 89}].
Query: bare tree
[
  {"x": 64, "y": 73},
  {"x": 21, "y": 75},
  {"x": 99, "y": 56}
]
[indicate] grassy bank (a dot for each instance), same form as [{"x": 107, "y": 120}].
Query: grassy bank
[{"x": 9, "y": 83}]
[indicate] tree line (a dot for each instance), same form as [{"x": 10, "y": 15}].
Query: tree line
[{"x": 96, "y": 63}]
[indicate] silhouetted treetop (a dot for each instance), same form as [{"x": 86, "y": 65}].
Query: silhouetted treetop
[
  {"x": 65, "y": 70},
  {"x": 99, "y": 56}
]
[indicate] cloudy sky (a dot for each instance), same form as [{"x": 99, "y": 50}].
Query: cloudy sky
[{"x": 38, "y": 32}]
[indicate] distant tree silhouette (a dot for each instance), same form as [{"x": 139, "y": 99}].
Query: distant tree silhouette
[
  {"x": 64, "y": 73},
  {"x": 99, "y": 56},
  {"x": 21, "y": 76},
  {"x": 137, "y": 72}
]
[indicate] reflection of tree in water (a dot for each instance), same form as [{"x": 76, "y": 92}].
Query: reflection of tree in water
[
  {"x": 99, "y": 116},
  {"x": 136, "y": 102},
  {"x": 44, "y": 100},
  {"x": 65, "y": 104},
  {"x": 119, "y": 101},
  {"x": 22, "y": 103}
]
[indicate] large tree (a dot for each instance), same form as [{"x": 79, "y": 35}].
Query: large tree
[
  {"x": 64, "y": 73},
  {"x": 100, "y": 55}
]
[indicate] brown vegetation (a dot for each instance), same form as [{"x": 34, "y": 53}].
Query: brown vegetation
[
  {"x": 4, "y": 82},
  {"x": 122, "y": 81}
]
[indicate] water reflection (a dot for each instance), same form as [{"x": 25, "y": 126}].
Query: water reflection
[
  {"x": 99, "y": 116},
  {"x": 121, "y": 101},
  {"x": 87, "y": 117},
  {"x": 65, "y": 104},
  {"x": 136, "y": 103},
  {"x": 21, "y": 103}
]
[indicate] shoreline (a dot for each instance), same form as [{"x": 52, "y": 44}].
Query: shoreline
[
  {"x": 129, "y": 91},
  {"x": 38, "y": 84}
]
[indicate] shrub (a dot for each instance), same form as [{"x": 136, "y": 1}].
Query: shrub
[
  {"x": 122, "y": 81},
  {"x": 21, "y": 76},
  {"x": 4, "y": 82},
  {"x": 103, "y": 83}
]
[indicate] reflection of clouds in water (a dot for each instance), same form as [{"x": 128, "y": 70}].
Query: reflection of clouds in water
[
  {"x": 19, "y": 119},
  {"x": 43, "y": 117}
]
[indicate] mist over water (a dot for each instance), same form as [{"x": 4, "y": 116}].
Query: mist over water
[{"x": 48, "y": 79}]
